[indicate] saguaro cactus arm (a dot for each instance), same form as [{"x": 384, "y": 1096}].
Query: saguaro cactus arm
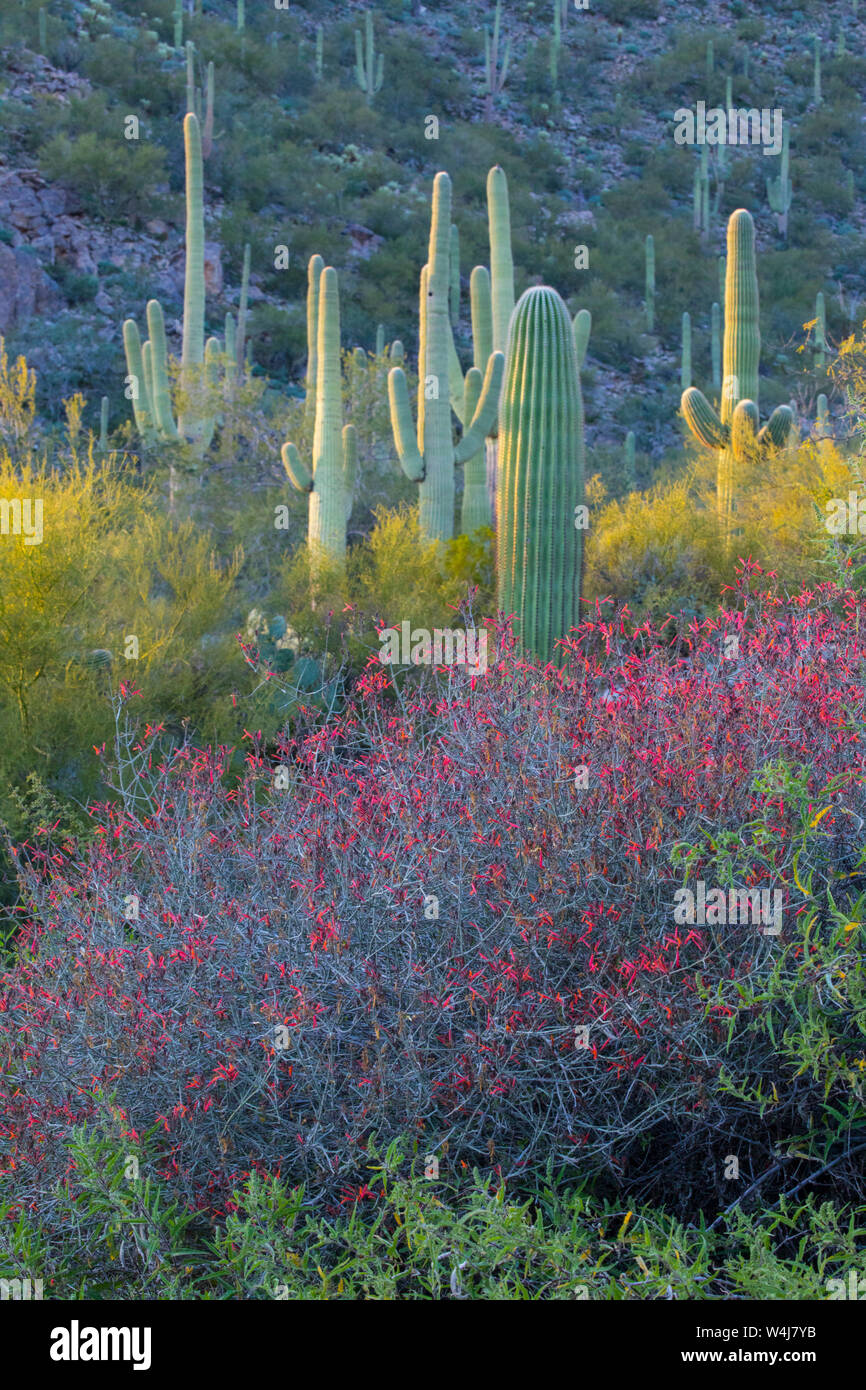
[
  {"x": 403, "y": 426},
  {"x": 486, "y": 410},
  {"x": 581, "y": 329},
  {"x": 702, "y": 420},
  {"x": 299, "y": 474}
]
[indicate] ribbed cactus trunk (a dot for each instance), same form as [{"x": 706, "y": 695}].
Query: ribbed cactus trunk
[
  {"x": 742, "y": 346},
  {"x": 541, "y": 468},
  {"x": 190, "y": 424},
  {"x": 502, "y": 298},
  {"x": 326, "y": 531},
  {"x": 436, "y": 492}
]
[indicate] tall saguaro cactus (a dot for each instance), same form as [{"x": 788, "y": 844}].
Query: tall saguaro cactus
[
  {"x": 147, "y": 366},
  {"x": 779, "y": 191},
  {"x": 650, "y": 283},
  {"x": 494, "y": 74},
  {"x": 541, "y": 468},
  {"x": 369, "y": 70},
  {"x": 734, "y": 431},
  {"x": 330, "y": 481},
  {"x": 430, "y": 462}
]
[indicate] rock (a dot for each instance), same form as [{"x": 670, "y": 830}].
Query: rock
[
  {"x": 25, "y": 289},
  {"x": 102, "y": 302},
  {"x": 157, "y": 228}
]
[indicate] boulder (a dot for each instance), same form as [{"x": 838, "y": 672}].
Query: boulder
[{"x": 25, "y": 289}]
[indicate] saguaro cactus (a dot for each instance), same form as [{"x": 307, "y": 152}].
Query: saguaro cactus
[
  {"x": 148, "y": 366},
  {"x": 431, "y": 460},
  {"x": 686, "y": 358},
  {"x": 581, "y": 328},
  {"x": 716, "y": 346},
  {"x": 779, "y": 191},
  {"x": 650, "y": 283},
  {"x": 494, "y": 75},
  {"x": 817, "y": 96},
  {"x": 734, "y": 431},
  {"x": 369, "y": 70},
  {"x": 330, "y": 481},
  {"x": 541, "y": 467},
  {"x": 314, "y": 274}
]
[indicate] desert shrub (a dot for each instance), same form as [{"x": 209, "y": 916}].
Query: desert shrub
[
  {"x": 660, "y": 551},
  {"x": 404, "y": 925},
  {"x": 115, "y": 178}
]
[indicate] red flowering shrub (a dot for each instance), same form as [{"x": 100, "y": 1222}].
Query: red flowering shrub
[{"x": 405, "y": 926}]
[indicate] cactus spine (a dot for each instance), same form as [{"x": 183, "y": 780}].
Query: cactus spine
[
  {"x": 539, "y": 542},
  {"x": 686, "y": 359},
  {"x": 329, "y": 483},
  {"x": 494, "y": 75},
  {"x": 734, "y": 431},
  {"x": 369, "y": 71},
  {"x": 779, "y": 191},
  {"x": 650, "y": 283},
  {"x": 431, "y": 460}
]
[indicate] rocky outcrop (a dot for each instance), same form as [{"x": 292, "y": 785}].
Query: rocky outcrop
[{"x": 25, "y": 289}]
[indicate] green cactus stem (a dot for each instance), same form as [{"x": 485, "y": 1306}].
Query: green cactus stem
[
  {"x": 103, "y": 425},
  {"x": 320, "y": 52},
  {"x": 495, "y": 76},
  {"x": 581, "y": 329},
  {"x": 734, "y": 431},
  {"x": 239, "y": 353},
  {"x": 541, "y": 468},
  {"x": 823, "y": 425},
  {"x": 454, "y": 283},
  {"x": 43, "y": 31},
  {"x": 650, "y": 283},
  {"x": 779, "y": 190},
  {"x": 430, "y": 461},
  {"x": 331, "y": 477},
  {"x": 711, "y": 58},
  {"x": 716, "y": 346},
  {"x": 817, "y": 96},
  {"x": 686, "y": 356},
  {"x": 138, "y": 386},
  {"x": 314, "y": 272},
  {"x": 242, "y": 16},
  {"x": 192, "y": 354},
  {"x": 369, "y": 70},
  {"x": 178, "y": 23}
]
